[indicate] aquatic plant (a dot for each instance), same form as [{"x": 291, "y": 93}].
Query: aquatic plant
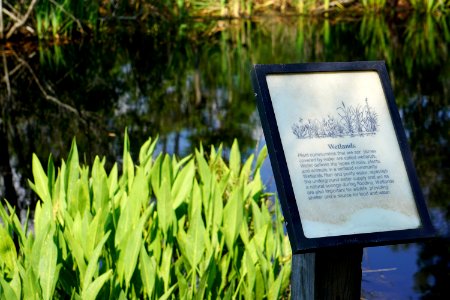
[
  {"x": 194, "y": 227},
  {"x": 64, "y": 18},
  {"x": 351, "y": 121}
]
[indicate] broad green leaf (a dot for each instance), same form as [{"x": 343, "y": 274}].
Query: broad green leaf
[
  {"x": 244, "y": 233},
  {"x": 99, "y": 185},
  {"x": 16, "y": 283},
  {"x": 251, "y": 251},
  {"x": 164, "y": 207},
  {"x": 59, "y": 200},
  {"x": 155, "y": 249},
  {"x": 95, "y": 231},
  {"x": 183, "y": 285},
  {"x": 146, "y": 154},
  {"x": 147, "y": 267},
  {"x": 155, "y": 174},
  {"x": 213, "y": 153},
  {"x": 224, "y": 271},
  {"x": 139, "y": 193},
  {"x": 143, "y": 152},
  {"x": 261, "y": 157},
  {"x": 274, "y": 289},
  {"x": 168, "y": 293},
  {"x": 125, "y": 221},
  {"x": 166, "y": 266},
  {"x": 50, "y": 174},
  {"x": 233, "y": 218},
  {"x": 40, "y": 180},
  {"x": 60, "y": 195},
  {"x": 112, "y": 181},
  {"x": 257, "y": 216},
  {"x": 134, "y": 245},
  {"x": 203, "y": 168},
  {"x": 183, "y": 184},
  {"x": 167, "y": 170},
  {"x": 8, "y": 253},
  {"x": 235, "y": 158},
  {"x": 206, "y": 191},
  {"x": 286, "y": 277},
  {"x": 260, "y": 237},
  {"x": 93, "y": 264},
  {"x": 94, "y": 288},
  {"x": 72, "y": 171},
  {"x": 43, "y": 216},
  {"x": 82, "y": 193},
  {"x": 31, "y": 288},
  {"x": 207, "y": 277},
  {"x": 128, "y": 166},
  {"x": 182, "y": 162},
  {"x": 62, "y": 245},
  {"x": 249, "y": 269},
  {"x": 48, "y": 269},
  {"x": 256, "y": 186},
  {"x": 270, "y": 242},
  {"x": 129, "y": 249},
  {"x": 6, "y": 291},
  {"x": 196, "y": 239},
  {"x": 184, "y": 247},
  {"x": 244, "y": 176},
  {"x": 74, "y": 244},
  {"x": 260, "y": 289},
  {"x": 129, "y": 173}
]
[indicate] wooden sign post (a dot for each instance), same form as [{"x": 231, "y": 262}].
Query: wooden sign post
[
  {"x": 327, "y": 274},
  {"x": 342, "y": 167}
]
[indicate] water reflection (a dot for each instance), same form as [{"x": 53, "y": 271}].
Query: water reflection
[{"x": 190, "y": 84}]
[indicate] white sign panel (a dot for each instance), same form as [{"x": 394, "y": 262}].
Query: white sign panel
[{"x": 341, "y": 149}]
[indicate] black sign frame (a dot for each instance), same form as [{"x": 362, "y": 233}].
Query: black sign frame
[{"x": 299, "y": 242}]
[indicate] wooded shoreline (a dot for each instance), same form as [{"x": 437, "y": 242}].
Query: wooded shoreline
[{"x": 65, "y": 19}]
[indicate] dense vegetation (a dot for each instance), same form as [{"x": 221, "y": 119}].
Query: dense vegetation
[
  {"x": 166, "y": 228},
  {"x": 66, "y": 18}
]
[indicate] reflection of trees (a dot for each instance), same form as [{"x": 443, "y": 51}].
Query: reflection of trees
[
  {"x": 190, "y": 84},
  {"x": 94, "y": 91},
  {"x": 427, "y": 120},
  {"x": 433, "y": 276},
  {"x": 9, "y": 191}
]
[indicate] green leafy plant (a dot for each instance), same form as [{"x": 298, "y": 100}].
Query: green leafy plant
[{"x": 166, "y": 228}]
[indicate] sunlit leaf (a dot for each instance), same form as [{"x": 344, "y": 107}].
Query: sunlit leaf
[
  {"x": 40, "y": 180},
  {"x": 93, "y": 289},
  {"x": 93, "y": 264},
  {"x": 48, "y": 268},
  {"x": 233, "y": 217},
  {"x": 183, "y": 184},
  {"x": 147, "y": 267},
  {"x": 8, "y": 254},
  {"x": 235, "y": 158}
]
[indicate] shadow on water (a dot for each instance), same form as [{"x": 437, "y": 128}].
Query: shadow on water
[{"x": 190, "y": 84}]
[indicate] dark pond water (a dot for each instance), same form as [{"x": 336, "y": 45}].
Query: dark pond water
[{"x": 190, "y": 83}]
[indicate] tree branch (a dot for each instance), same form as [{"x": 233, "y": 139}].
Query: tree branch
[
  {"x": 42, "y": 89},
  {"x": 1, "y": 19},
  {"x": 22, "y": 21},
  {"x": 6, "y": 77}
]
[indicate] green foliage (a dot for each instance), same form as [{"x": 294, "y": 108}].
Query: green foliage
[
  {"x": 166, "y": 228},
  {"x": 58, "y": 19}
]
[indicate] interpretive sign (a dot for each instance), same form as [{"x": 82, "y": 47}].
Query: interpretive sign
[{"x": 339, "y": 154}]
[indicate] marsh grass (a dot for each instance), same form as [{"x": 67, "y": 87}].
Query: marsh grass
[
  {"x": 350, "y": 121},
  {"x": 200, "y": 226},
  {"x": 66, "y": 18}
]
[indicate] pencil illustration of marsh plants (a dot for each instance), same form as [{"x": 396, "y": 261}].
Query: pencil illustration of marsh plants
[{"x": 349, "y": 121}]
